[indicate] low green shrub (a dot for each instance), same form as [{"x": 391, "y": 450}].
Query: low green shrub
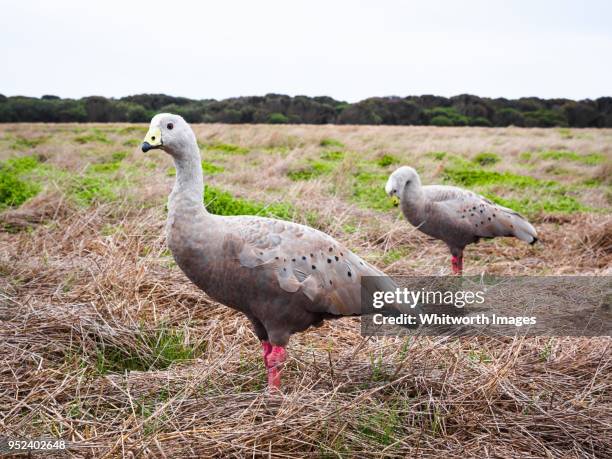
[
  {"x": 331, "y": 143},
  {"x": 486, "y": 158},
  {"x": 226, "y": 148},
  {"x": 14, "y": 189},
  {"x": 211, "y": 169},
  {"x": 277, "y": 118},
  {"x": 310, "y": 171},
  {"x": 94, "y": 136},
  {"x": 590, "y": 159},
  {"x": 221, "y": 202},
  {"x": 23, "y": 143},
  {"x": 333, "y": 155},
  {"x": 387, "y": 160}
]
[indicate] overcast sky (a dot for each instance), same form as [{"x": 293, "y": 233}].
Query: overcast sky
[{"x": 349, "y": 50}]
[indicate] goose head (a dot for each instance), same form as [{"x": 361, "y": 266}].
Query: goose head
[
  {"x": 403, "y": 183},
  {"x": 170, "y": 133}
]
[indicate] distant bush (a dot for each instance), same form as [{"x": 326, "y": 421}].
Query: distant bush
[
  {"x": 446, "y": 116},
  {"x": 440, "y": 120},
  {"x": 277, "y": 118},
  {"x": 544, "y": 118},
  {"x": 508, "y": 117},
  {"x": 461, "y": 110},
  {"x": 479, "y": 121}
]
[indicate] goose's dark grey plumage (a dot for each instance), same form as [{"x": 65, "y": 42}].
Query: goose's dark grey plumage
[
  {"x": 456, "y": 216},
  {"x": 283, "y": 276}
]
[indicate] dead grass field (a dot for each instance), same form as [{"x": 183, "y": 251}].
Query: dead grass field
[{"x": 103, "y": 342}]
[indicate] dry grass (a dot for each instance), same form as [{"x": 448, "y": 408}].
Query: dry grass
[{"x": 104, "y": 342}]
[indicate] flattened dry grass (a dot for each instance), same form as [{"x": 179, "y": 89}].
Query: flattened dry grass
[{"x": 104, "y": 342}]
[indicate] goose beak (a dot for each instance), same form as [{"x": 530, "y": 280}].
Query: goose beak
[
  {"x": 395, "y": 200},
  {"x": 152, "y": 140}
]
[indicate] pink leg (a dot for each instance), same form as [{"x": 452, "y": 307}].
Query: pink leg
[
  {"x": 457, "y": 263},
  {"x": 266, "y": 347},
  {"x": 274, "y": 362}
]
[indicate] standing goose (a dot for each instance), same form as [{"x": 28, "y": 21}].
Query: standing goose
[
  {"x": 456, "y": 216},
  {"x": 283, "y": 276}
]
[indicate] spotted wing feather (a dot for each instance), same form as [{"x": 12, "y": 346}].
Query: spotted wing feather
[
  {"x": 302, "y": 260},
  {"x": 477, "y": 214}
]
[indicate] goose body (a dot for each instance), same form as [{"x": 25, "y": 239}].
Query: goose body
[
  {"x": 285, "y": 277},
  {"x": 456, "y": 216}
]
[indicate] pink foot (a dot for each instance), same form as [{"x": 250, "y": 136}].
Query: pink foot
[{"x": 274, "y": 362}]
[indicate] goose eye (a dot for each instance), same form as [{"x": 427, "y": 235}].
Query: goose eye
[
  {"x": 407, "y": 183},
  {"x": 170, "y": 126}
]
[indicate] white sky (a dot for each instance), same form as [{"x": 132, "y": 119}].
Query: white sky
[{"x": 349, "y": 50}]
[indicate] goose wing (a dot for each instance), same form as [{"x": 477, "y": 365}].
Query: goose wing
[
  {"x": 477, "y": 214},
  {"x": 305, "y": 261}
]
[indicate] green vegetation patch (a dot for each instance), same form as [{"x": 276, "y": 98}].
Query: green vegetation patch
[
  {"x": 486, "y": 159},
  {"x": 111, "y": 165},
  {"x": 382, "y": 428},
  {"x": 105, "y": 167},
  {"x": 312, "y": 170},
  {"x": 14, "y": 188},
  {"x": 331, "y": 143},
  {"x": 211, "y": 169},
  {"x": 93, "y": 187},
  {"x": 590, "y": 159},
  {"x": 23, "y": 143},
  {"x": 332, "y": 155},
  {"x": 535, "y": 195},
  {"x": 96, "y": 135},
  {"x": 393, "y": 255},
  {"x": 556, "y": 200},
  {"x": 474, "y": 176},
  {"x": 368, "y": 190},
  {"x": 221, "y": 202},
  {"x": 387, "y": 160},
  {"x": 99, "y": 182},
  {"x": 227, "y": 148},
  {"x": 129, "y": 130},
  {"x": 436, "y": 155},
  {"x": 131, "y": 143},
  {"x": 155, "y": 349}
]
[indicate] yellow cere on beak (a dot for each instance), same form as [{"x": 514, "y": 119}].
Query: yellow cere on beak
[
  {"x": 152, "y": 139},
  {"x": 395, "y": 200}
]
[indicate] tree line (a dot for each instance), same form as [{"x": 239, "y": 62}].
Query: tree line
[{"x": 462, "y": 110}]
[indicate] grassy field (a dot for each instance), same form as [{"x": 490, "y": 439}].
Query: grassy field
[{"x": 105, "y": 343}]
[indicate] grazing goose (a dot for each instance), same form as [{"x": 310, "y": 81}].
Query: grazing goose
[
  {"x": 283, "y": 276},
  {"x": 456, "y": 216}
]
